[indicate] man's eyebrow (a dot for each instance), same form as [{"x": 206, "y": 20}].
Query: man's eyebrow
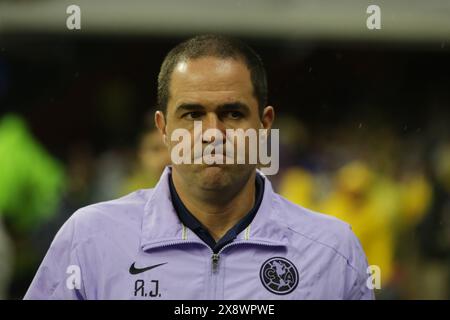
[
  {"x": 189, "y": 107},
  {"x": 234, "y": 106},
  {"x": 229, "y": 106}
]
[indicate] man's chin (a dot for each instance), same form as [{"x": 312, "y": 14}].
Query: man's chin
[{"x": 214, "y": 176}]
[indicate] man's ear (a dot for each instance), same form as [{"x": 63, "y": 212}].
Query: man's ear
[
  {"x": 267, "y": 118},
  {"x": 160, "y": 122}
]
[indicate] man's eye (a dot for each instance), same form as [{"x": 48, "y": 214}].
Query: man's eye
[
  {"x": 192, "y": 115},
  {"x": 235, "y": 115}
]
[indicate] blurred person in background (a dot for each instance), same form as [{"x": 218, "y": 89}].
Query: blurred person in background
[
  {"x": 151, "y": 158},
  {"x": 432, "y": 269},
  {"x": 31, "y": 184},
  {"x": 355, "y": 201},
  {"x": 350, "y": 198},
  {"x": 294, "y": 179}
]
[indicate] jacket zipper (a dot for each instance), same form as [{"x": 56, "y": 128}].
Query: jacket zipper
[
  {"x": 215, "y": 262},
  {"x": 215, "y": 258},
  {"x": 214, "y": 276}
]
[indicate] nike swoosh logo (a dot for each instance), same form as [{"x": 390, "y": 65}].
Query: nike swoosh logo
[{"x": 134, "y": 270}]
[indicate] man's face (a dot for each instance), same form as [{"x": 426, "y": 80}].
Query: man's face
[{"x": 219, "y": 93}]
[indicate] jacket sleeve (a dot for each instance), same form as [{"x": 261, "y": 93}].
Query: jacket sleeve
[
  {"x": 358, "y": 285},
  {"x": 60, "y": 275}
]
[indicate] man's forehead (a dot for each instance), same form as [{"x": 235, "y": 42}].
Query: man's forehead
[
  {"x": 211, "y": 74},
  {"x": 222, "y": 65}
]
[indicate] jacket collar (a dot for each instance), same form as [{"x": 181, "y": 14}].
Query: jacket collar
[{"x": 161, "y": 225}]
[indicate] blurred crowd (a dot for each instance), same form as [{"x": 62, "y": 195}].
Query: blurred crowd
[{"x": 392, "y": 188}]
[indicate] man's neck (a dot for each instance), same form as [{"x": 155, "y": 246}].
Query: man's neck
[{"x": 221, "y": 211}]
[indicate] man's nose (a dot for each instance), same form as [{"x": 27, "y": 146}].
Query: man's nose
[{"x": 212, "y": 121}]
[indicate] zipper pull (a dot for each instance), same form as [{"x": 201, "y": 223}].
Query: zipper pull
[{"x": 215, "y": 261}]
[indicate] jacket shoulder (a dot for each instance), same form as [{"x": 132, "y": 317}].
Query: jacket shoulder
[
  {"x": 320, "y": 228},
  {"x": 108, "y": 216}
]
